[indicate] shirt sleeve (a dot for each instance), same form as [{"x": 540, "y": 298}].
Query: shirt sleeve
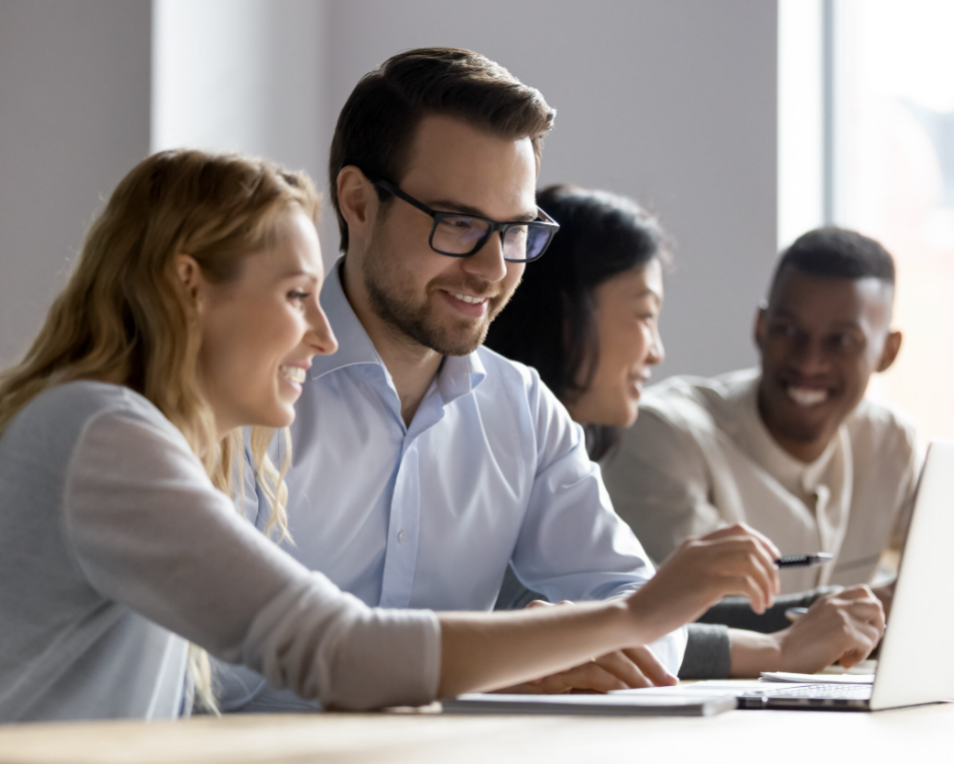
[
  {"x": 572, "y": 545},
  {"x": 149, "y": 530},
  {"x": 708, "y": 652},
  {"x": 660, "y": 486}
]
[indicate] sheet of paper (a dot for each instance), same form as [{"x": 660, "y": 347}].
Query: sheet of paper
[{"x": 782, "y": 676}]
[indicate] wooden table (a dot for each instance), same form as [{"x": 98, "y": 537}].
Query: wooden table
[{"x": 903, "y": 736}]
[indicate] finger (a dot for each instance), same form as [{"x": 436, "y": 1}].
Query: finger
[
  {"x": 755, "y": 563},
  {"x": 743, "y": 530},
  {"x": 765, "y": 561},
  {"x": 763, "y": 541},
  {"x": 624, "y": 669},
  {"x": 590, "y": 677},
  {"x": 744, "y": 586},
  {"x": 861, "y": 591},
  {"x": 537, "y": 604},
  {"x": 652, "y": 669},
  {"x": 742, "y": 557},
  {"x": 868, "y": 612},
  {"x": 866, "y": 640}
]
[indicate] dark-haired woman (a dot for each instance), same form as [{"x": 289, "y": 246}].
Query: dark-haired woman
[{"x": 587, "y": 318}]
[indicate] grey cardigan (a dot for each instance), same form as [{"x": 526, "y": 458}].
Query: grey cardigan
[{"x": 116, "y": 551}]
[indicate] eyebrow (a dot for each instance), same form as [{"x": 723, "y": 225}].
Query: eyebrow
[
  {"x": 645, "y": 292},
  {"x": 296, "y": 272},
  {"x": 447, "y": 205}
]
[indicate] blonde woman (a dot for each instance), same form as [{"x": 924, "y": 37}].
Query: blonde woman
[{"x": 193, "y": 310}]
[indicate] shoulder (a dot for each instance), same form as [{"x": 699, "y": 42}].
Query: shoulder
[
  {"x": 69, "y": 406},
  {"x": 520, "y": 403},
  {"x": 881, "y": 428},
  {"x": 58, "y": 418},
  {"x": 85, "y": 400},
  {"x": 691, "y": 403},
  {"x": 512, "y": 382}
]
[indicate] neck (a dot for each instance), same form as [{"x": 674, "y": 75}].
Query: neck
[{"x": 411, "y": 365}]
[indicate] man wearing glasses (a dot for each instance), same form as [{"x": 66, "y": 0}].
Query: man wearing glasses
[{"x": 424, "y": 463}]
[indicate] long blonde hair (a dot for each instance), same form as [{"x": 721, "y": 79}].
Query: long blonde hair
[{"x": 124, "y": 317}]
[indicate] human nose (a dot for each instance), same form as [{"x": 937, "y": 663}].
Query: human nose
[
  {"x": 320, "y": 335},
  {"x": 657, "y": 353},
  {"x": 488, "y": 262},
  {"x": 808, "y": 356}
]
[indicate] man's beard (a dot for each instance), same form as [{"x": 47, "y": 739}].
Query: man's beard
[{"x": 419, "y": 322}]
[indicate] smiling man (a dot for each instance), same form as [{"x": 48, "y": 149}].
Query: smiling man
[
  {"x": 795, "y": 449},
  {"x": 424, "y": 463}
]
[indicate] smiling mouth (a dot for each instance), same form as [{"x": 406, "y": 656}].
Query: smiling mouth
[
  {"x": 294, "y": 373},
  {"x": 469, "y": 299},
  {"x": 807, "y": 397}
]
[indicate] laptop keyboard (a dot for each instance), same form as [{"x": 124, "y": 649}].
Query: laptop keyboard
[{"x": 820, "y": 691}]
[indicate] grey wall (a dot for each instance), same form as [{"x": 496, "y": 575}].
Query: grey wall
[
  {"x": 74, "y": 117},
  {"x": 671, "y": 101}
]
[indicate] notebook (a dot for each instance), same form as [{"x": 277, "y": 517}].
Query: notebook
[{"x": 672, "y": 704}]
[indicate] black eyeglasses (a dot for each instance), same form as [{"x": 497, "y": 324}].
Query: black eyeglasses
[{"x": 457, "y": 235}]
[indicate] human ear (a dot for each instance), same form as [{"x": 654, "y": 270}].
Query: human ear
[
  {"x": 759, "y": 329},
  {"x": 892, "y": 345},
  {"x": 357, "y": 201},
  {"x": 190, "y": 276}
]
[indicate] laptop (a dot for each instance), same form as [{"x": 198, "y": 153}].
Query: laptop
[{"x": 916, "y": 664}]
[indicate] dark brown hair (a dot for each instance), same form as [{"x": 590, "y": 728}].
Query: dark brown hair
[
  {"x": 549, "y": 322},
  {"x": 376, "y": 126}
]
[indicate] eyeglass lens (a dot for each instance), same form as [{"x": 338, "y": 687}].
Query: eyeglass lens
[{"x": 460, "y": 234}]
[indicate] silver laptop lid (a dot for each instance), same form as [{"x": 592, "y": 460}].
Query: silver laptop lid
[{"x": 916, "y": 664}]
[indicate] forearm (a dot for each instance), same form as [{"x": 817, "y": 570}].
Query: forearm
[
  {"x": 737, "y": 613},
  {"x": 484, "y": 652},
  {"x": 752, "y": 653}
]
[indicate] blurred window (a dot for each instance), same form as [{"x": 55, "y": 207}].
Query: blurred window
[{"x": 893, "y": 179}]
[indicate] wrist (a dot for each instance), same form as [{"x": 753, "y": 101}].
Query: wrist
[{"x": 752, "y": 653}]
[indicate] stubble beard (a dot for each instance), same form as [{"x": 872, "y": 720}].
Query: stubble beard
[{"x": 389, "y": 297}]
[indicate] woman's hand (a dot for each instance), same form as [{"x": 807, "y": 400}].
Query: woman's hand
[
  {"x": 737, "y": 560},
  {"x": 620, "y": 670}
]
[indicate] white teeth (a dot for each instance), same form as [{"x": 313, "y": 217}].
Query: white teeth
[
  {"x": 805, "y": 397},
  {"x": 294, "y": 373},
  {"x": 472, "y": 300}
]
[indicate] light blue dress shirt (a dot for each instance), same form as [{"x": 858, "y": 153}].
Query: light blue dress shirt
[{"x": 491, "y": 470}]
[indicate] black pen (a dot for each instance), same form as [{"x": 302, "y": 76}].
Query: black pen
[{"x": 803, "y": 560}]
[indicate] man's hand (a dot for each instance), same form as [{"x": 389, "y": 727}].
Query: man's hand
[
  {"x": 843, "y": 627},
  {"x": 621, "y": 670}
]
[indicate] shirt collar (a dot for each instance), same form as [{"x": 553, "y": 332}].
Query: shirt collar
[
  {"x": 457, "y": 376},
  {"x": 791, "y": 471},
  {"x": 354, "y": 344}
]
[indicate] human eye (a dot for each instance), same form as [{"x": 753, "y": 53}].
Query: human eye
[
  {"x": 650, "y": 316},
  {"x": 843, "y": 341},
  {"x": 783, "y": 329},
  {"x": 297, "y": 295},
  {"x": 457, "y": 222}
]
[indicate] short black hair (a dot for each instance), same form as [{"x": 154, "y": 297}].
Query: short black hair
[
  {"x": 549, "y": 322},
  {"x": 836, "y": 253}
]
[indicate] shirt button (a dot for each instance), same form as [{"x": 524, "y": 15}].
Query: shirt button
[{"x": 401, "y": 537}]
